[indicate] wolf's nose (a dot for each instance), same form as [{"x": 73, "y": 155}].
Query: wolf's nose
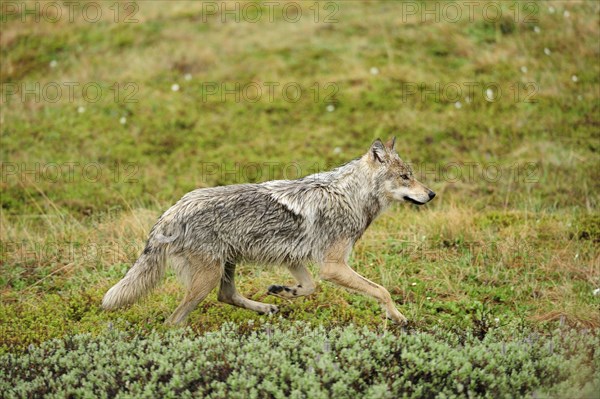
[{"x": 431, "y": 195}]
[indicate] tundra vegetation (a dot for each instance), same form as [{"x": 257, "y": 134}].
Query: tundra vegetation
[{"x": 497, "y": 113}]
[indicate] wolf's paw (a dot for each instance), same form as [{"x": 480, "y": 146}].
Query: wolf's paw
[
  {"x": 397, "y": 318},
  {"x": 269, "y": 310},
  {"x": 282, "y": 291}
]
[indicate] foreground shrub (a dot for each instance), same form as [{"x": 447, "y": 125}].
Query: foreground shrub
[{"x": 305, "y": 362}]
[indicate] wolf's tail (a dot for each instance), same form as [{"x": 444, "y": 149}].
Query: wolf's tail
[{"x": 144, "y": 275}]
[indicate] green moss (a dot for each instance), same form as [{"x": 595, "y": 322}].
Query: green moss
[
  {"x": 589, "y": 228},
  {"x": 498, "y": 219}
]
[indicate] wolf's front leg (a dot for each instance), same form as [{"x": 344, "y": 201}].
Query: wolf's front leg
[
  {"x": 306, "y": 285},
  {"x": 340, "y": 273}
]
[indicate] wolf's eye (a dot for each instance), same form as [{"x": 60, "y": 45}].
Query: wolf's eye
[{"x": 404, "y": 176}]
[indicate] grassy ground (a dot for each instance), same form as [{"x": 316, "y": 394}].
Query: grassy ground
[{"x": 512, "y": 236}]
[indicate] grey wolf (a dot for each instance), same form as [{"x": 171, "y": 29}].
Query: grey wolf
[{"x": 313, "y": 220}]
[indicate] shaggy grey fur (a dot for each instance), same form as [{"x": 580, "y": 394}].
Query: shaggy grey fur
[{"x": 291, "y": 222}]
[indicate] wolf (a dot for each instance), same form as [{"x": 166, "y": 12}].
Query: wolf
[{"x": 316, "y": 219}]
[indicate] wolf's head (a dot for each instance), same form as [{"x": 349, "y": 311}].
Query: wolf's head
[{"x": 394, "y": 176}]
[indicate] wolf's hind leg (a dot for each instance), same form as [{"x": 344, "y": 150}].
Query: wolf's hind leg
[
  {"x": 228, "y": 294},
  {"x": 306, "y": 285},
  {"x": 200, "y": 277}
]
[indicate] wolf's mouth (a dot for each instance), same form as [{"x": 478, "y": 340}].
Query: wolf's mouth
[{"x": 412, "y": 201}]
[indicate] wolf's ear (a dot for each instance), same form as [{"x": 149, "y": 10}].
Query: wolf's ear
[
  {"x": 377, "y": 151},
  {"x": 391, "y": 144}
]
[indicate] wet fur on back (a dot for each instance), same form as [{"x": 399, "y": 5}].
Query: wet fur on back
[{"x": 285, "y": 221}]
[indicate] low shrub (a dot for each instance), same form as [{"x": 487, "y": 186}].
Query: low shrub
[{"x": 300, "y": 361}]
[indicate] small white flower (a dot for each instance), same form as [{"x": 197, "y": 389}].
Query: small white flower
[
  {"x": 337, "y": 150},
  {"x": 330, "y": 108},
  {"x": 596, "y": 292},
  {"x": 123, "y": 120},
  {"x": 428, "y": 298},
  {"x": 537, "y": 29},
  {"x": 457, "y": 105},
  {"x": 566, "y": 14},
  {"x": 574, "y": 78},
  {"x": 547, "y": 51},
  {"x": 81, "y": 109},
  {"x": 53, "y": 64},
  {"x": 524, "y": 69},
  {"x": 576, "y": 256},
  {"x": 188, "y": 76},
  {"x": 175, "y": 87},
  {"x": 413, "y": 284},
  {"x": 374, "y": 71},
  {"x": 489, "y": 95},
  {"x": 551, "y": 10},
  {"x": 497, "y": 320}
]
